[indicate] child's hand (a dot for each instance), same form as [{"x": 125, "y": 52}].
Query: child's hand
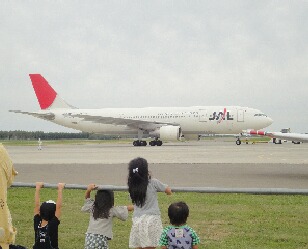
[
  {"x": 91, "y": 187},
  {"x": 130, "y": 207},
  {"x": 39, "y": 185},
  {"x": 61, "y": 186}
]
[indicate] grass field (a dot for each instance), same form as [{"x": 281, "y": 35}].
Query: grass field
[{"x": 221, "y": 220}]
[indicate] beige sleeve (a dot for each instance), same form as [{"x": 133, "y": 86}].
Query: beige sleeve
[{"x": 7, "y": 173}]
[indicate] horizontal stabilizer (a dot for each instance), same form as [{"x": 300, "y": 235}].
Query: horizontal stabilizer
[{"x": 45, "y": 116}]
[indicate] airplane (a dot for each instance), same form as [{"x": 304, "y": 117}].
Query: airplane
[
  {"x": 160, "y": 123},
  {"x": 296, "y": 138}
]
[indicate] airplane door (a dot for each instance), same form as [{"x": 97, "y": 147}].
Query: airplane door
[
  {"x": 202, "y": 115},
  {"x": 240, "y": 115}
]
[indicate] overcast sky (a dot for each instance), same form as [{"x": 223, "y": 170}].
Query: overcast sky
[{"x": 156, "y": 53}]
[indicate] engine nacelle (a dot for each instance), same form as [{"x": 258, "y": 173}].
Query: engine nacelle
[{"x": 168, "y": 133}]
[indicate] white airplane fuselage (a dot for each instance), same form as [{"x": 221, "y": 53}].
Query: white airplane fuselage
[{"x": 192, "y": 120}]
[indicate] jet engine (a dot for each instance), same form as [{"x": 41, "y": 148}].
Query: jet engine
[{"x": 168, "y": 133}]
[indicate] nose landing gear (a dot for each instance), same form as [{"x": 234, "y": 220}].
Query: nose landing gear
[{"x": 238, "y": 141}]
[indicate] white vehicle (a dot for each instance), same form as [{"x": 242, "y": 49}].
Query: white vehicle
[
  {"x": 161, "y": 123},
  {"x": 296, "y": 138}
]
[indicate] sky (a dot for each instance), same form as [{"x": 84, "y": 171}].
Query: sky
[{"x": 130, "y": 53}]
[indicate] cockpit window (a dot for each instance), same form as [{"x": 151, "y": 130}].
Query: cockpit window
[{"x": 260, "y": 115}]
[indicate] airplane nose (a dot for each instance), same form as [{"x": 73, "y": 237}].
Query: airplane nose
[{"x": 269, "y": 121}]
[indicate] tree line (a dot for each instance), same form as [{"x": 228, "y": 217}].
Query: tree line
[{"x": 35, "y": 135}]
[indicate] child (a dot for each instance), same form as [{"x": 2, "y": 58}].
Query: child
[
  {"x": 47, "y": 219},
  {"x": 147, "y": 225},
  {"x": 179, "y": 235},
  {"x": 101, "y": 211}
]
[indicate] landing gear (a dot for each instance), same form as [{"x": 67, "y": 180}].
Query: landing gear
[
  {"x": 156, "y": 142},
  {"x": 238, "y": 140},
  {"x": 144, "y": 143},
  {"x": 276, "y": 141},
  {"x": 139, "y": 143}
]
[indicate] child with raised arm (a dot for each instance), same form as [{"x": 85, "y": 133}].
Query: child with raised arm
[
  {"x": 179, "y": 235},
  {"x": 47, "y": 219},
  {"x": 147, "y": 225},
  {"x": 102, "y": 211}
]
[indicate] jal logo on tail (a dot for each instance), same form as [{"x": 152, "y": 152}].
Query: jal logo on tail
[{"x": 220, "y": 116}]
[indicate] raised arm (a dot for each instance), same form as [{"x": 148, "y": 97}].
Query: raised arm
[
  {"x": 59, "y": 200},
  {"x": 90, "y": 187},
  {"x": 37, "y": 203}
]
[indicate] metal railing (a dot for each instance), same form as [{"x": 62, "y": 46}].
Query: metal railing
[{"x": 261, "y": 191}]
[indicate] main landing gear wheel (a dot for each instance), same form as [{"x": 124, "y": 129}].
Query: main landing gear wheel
[
  {"x": 156, "y": 142},
  {"x": 139, "y": 143}
]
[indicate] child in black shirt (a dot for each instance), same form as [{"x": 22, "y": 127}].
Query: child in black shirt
[{"x": 47, "y": 219}]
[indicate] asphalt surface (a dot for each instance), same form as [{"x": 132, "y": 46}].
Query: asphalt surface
[{"x": 190, "y": 164}]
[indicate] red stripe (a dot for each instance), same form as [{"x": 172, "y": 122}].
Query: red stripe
[{"x": 262, "y": 133}]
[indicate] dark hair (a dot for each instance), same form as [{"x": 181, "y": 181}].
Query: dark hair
[
  {"x": 178, "y": 213},
  {"x": 138, "y": 179},
  {"x": 104, "y": 201},
  {"x": 47, "y": 210}
]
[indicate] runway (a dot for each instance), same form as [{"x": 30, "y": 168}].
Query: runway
[{"x": 189, "y": 164}]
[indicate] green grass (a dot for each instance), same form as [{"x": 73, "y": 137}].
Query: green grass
[{"x": 221, "y": 220}]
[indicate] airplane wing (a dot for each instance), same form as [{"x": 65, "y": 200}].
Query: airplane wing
[
  {"x": 296, "y": 137},
  {"x": 132, "y": 123},
  {"x": 45, "y": 116}
]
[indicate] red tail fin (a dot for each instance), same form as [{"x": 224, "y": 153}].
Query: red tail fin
[{"x": 44, "y": 92}]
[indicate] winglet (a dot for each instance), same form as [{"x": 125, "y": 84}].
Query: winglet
[{"x": 44, "y": 92}]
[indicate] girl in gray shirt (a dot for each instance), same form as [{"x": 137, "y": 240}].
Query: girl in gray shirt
[
  {"x": 147, "y": 225},
  {"x": 101, "y": 211}
]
